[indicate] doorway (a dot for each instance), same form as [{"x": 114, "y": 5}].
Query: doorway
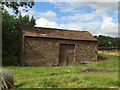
[{"x": 66, "y": 54}]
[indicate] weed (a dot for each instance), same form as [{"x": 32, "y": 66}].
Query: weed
[
  {"x": 50, "y": 83},
  {"x": 101, "y": 57}
]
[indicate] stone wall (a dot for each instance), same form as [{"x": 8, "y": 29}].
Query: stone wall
[
  {"x": 86, "y": 51},
  {"x": 45, "y": 52}
]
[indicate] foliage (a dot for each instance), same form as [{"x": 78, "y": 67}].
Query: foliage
[
  {"x": 108, "y": 42},
  {"x": 101, "y": 57},
  {"x": 11, "y": 32},
  {"x": 15, "y": 5},
  {"x": 9, "y": 61},
  {"x": 11, "y": 25},
  {"x": 26, "y": 21},
  {"x": 57, "y": 77}
]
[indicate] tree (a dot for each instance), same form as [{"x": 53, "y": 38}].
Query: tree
[
  {"x": 11, "y": 26},
  {"x": 10, "y": 34},
  {"x": 11, "y": 31},
  {"x": 32, "y": 21},
  {"x": 108, "y": 42},
  {"x": 15, "y": 5},
  {"x": 26, "y": 21}
]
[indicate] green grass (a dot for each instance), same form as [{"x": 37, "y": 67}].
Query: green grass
[{"x": 67, "y": 76}]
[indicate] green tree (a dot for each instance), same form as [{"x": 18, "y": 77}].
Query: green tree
[
  {"x": 10, "y": 34},
  {"x": 15, "y": 5},
  {"x": 108, "y": 42},
  {"x": 11, "y": 27},
  {"x": 32, "y": 21},
  {"x": 26, "y": 21}
]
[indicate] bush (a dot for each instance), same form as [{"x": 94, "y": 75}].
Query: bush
[
  {"x": 9, "y": 61},
  {"x": 101, "y": 57}
]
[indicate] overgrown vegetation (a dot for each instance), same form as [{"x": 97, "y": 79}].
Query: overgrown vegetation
[
  {"x": 11, "y": 34},
  {"x": 68, "y": 76},
  {"x": 11, "y": 26},
  {"x": 101, "y": 57},
  {"x": 107, "y": 42}
]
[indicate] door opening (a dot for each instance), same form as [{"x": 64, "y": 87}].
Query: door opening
[{"x": 66, "y": 54}]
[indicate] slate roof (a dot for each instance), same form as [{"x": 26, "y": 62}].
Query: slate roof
[{"x": 58, "y": 33}]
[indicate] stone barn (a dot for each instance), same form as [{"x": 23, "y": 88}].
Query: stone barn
[{"x": 56, "y": 47}]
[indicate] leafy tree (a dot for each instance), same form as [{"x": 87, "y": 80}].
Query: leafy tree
[
  {"x": 15, "y": 5},
  {"x": 11, "y": 26},
  {"x": 108, "y": 42},
  {"x": 11, "y": 32}
]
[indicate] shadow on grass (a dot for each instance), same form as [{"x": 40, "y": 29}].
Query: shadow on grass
[
  {"x": 97, "y": 70},
  {"x": 20, "y": 85}
]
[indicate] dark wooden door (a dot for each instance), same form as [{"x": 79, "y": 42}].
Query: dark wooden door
[{"x": 66, "y": 54}]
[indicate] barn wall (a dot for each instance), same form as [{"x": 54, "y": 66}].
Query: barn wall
[
  {"x": 45, "y": 52},
  {"x": 86, "y": 51}
]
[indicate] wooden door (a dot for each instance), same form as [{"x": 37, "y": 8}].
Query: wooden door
[{"x": 66, "y": 54}]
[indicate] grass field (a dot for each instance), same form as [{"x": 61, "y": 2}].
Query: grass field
[{"x": 68, "y": 76}]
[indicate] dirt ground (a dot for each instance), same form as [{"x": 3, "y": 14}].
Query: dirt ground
[
  {"x": 111, "y": 52},
  {"x": 97, "y": 70}
]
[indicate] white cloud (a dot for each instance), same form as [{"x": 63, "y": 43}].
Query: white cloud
[
  {"x": 42, "y": 22},
  {"x": 102, "y": 7},
  {"x": 109, "y": 28},
  {"x": 103, "y": 25},
  {"x": 72, "y": 6},
  {"x": 79, "y": 17},
  {"x": 51, "y": 15},
  {"x": 67, "y": 6},
  {"x": 91, "y": 27}
]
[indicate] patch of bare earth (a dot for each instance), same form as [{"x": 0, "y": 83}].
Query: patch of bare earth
[
  {"x": 113, "y": 53},
  {"x": 97, "y": 70}
]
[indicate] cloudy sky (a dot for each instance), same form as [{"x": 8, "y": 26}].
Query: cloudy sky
[{"x": 95, "y": 17}]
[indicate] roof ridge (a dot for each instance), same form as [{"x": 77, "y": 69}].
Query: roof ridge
[{"x": 60, "y": 29}]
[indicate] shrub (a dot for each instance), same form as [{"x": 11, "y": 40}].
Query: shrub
[
  {"x": 9, "y": 61},
  {"x": 101, "y": 57}
]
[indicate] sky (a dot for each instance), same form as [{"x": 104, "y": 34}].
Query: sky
[{"x": 99, "y": 18}]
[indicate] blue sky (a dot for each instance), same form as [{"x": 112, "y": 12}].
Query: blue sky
[{"x": 95, "y": 17}]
